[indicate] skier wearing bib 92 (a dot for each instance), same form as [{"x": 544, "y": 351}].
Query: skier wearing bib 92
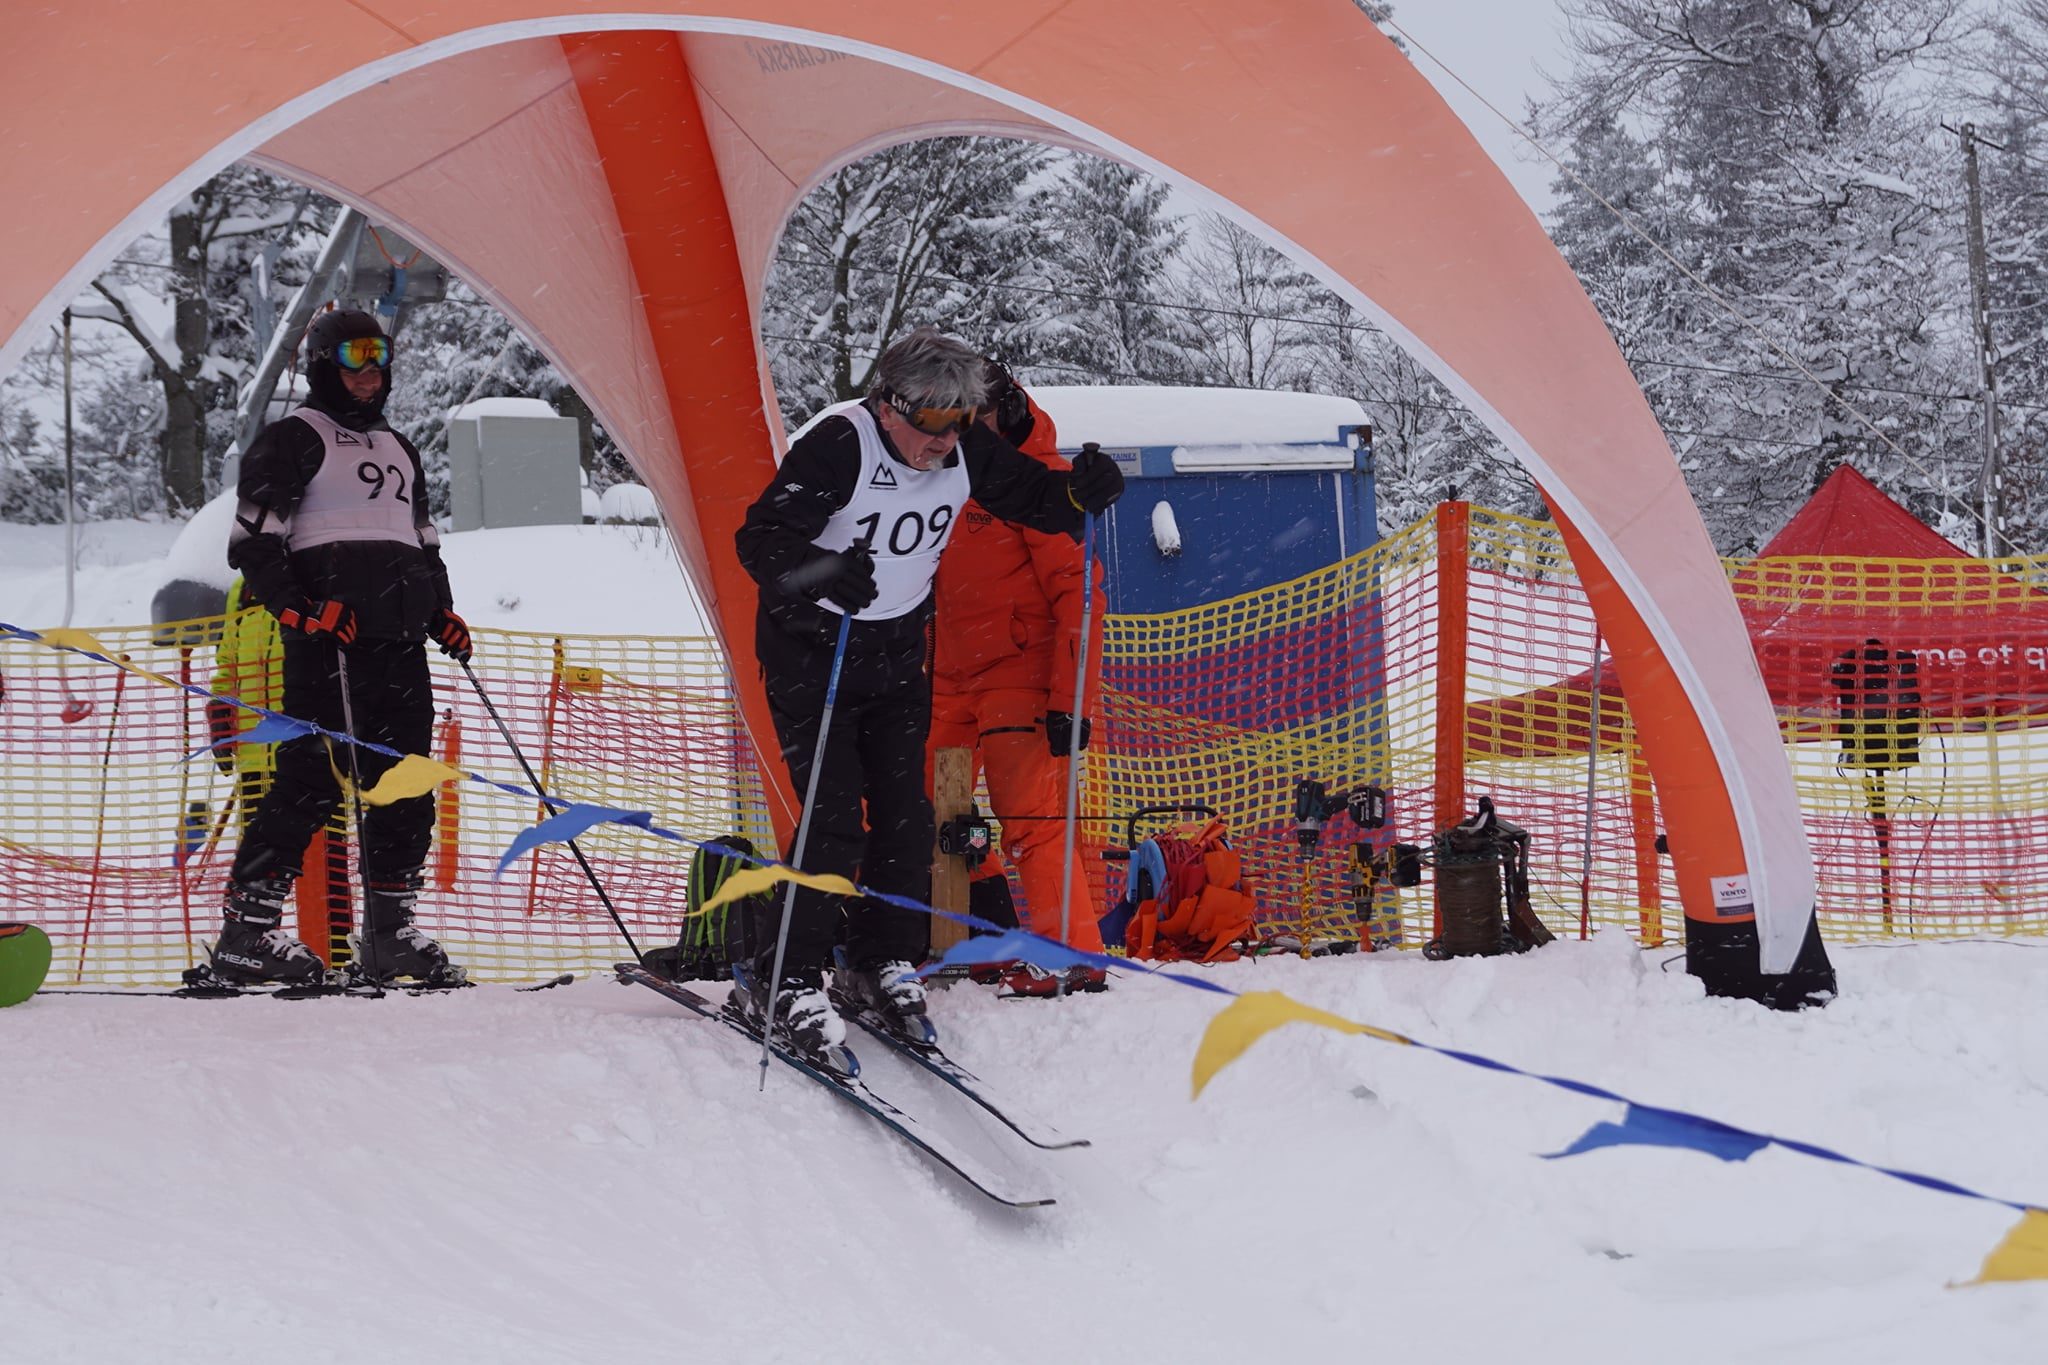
[
  {"x": 332, "y": 536},
  {"x": 853, "y": 523}
]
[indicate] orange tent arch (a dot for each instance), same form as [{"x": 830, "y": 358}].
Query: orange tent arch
[{"x": 615, "y": 179}]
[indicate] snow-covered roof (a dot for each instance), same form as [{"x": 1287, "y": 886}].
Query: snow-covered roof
[
  {"x": 1159, "y": 415},
  {"x": 200, "y": 553},
  {"x": 505, "y": 407}
]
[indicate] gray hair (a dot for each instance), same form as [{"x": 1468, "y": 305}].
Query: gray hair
[{"x": 930, "y": 367}]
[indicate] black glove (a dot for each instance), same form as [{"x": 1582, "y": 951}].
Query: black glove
[
  {"x": 1059, "y": 732},
  {"x": 1096, "y": 481},
  {"x": 845, "y": 576},
  {"x": 315, "y": 617},
  {"x": 451, "y": 632}
]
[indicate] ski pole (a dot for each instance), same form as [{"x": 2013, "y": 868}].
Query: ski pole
[
  {"x": 99, "y": 835},
  {"x": 527, "y": 768},
  {"x": 355, "y": 781},
  {"x": 803, "y": 834},
  {"x": 1074, "y": 735}
]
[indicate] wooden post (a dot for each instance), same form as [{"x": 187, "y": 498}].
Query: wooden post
[{"x": 952, "y": 794}]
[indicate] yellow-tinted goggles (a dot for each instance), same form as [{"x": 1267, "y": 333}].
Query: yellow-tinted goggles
[
  {"x": 932, "y": 421},
  {"x": 358, "y": 352}
]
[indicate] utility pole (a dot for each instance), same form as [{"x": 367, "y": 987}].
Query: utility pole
[{"x": 1990, "y": 486}]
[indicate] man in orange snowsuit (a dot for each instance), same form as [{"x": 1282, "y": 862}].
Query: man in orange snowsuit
[{"x": 1007, "y": 638}]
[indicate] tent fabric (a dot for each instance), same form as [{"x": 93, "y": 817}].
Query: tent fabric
[{"x": 616, "y": 182}]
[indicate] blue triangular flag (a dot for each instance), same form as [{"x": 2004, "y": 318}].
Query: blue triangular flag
[
  {"x": 1647, "y": 1126},
  {"x": 1015, "y": 945},
  {"x": 272, "y": 729},
  {"x": 566, "y": 825}
]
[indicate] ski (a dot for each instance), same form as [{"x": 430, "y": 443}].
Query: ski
[
  {"x": 852, "y": 1090},
  {"x": 934, "y": 1060},
  {"x": 319, "y": 990},
  {"x": 207, "y": 991}
]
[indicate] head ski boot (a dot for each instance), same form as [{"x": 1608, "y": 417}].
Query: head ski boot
[
  {"x": 1024, "y": 981},
  {"x": 888, "y": 996},
  {"x": 394, "y": 947},
  {"x": 801, "y": 1020},
  {"x": 253, "y": 950}
]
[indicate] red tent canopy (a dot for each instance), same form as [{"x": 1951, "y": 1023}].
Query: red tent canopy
[{"x": 1850, "y": 566}]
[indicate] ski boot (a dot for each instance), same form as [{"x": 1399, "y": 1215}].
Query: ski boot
[
  {"x": 253, "y": 950},
  {"x": 1026, "y": 982},
  {"x": 803, "y": 1020},
  {"x": 394, "y": 946},
  {"x": 891, "y": 996}
]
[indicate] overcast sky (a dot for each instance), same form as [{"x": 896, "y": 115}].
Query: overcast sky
[{"x": 1496, "y": 46}]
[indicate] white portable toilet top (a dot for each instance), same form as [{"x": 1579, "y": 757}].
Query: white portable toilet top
[
  {"x": 504, "y": 407},
  {"x": 1161, "y": 415}
]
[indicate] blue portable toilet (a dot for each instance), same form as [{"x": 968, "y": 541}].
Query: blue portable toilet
[{"x": 1228, "y": 489}]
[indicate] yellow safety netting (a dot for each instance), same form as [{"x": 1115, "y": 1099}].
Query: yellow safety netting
[{"x": 1434, "y": 675}]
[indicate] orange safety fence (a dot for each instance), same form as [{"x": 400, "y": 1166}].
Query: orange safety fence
[{"x": 1453, "y": 659}]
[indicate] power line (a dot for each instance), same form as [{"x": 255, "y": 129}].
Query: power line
[
  {"x": 1085, "y": 372},
  {"x": 1250, "y": 315}
]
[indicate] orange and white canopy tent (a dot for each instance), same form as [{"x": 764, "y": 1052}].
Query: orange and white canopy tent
[{"x": 615, "y": 176}]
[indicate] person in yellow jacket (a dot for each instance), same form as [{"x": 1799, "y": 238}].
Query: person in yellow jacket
[{"x": 249, "y": 665}]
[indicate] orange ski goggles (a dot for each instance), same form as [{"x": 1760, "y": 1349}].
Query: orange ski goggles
[{"x": 932, "y": 421}]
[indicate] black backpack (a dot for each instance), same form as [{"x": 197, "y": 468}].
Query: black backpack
[{"x": 735, "y": 932}]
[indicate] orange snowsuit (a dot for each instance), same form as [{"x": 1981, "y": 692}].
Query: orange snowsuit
[{"x": 1006, "y": 639}]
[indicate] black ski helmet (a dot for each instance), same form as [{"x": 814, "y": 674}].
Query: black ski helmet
[{"x": 323, "y": 375}]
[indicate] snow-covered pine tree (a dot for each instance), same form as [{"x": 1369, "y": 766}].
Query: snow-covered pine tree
[
  {"x": 2013, "y": 65},
  {"x": 1798, "y": 171},
  {"x": 947, "y": 231},
  {"x": 1112, "y": 255}
]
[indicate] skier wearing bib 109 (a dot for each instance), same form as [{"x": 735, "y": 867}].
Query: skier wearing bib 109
[
  {"x": 332, "y": 535},
  {"x": 854, "y": 522}
]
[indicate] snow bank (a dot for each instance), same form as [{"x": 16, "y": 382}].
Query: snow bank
[
  {"x": 629, "y": 502},
  {"x": 120, "y": 566},
  {"x": 584, "y": 1174},
  {"x": 575, "y": 579},
  {"x": 583, "y": 580}
]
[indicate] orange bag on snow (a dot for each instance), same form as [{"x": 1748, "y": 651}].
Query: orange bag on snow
[{"x": 1186, "y": 900}]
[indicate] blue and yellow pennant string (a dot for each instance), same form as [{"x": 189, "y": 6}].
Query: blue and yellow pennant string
[{"x": 1251, "y": 1015}]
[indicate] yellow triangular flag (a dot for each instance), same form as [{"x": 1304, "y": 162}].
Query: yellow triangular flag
[
  {"x": 413, "y": 775},
  {"x": 749, "y": 880},
  {"x": 1255, "y": 1014},
  {"x": 2023, "y": 1255},
  {"x": 66, "y": 637}
]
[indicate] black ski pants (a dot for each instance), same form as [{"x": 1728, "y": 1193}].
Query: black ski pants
[
  {"x": 392, "y": 699},
  {"x": 873, "y": 757}
]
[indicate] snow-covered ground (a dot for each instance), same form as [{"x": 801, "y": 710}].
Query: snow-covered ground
[
  {"x": 590, "y": 580},
  {"x": 584, "y": 1174}
]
